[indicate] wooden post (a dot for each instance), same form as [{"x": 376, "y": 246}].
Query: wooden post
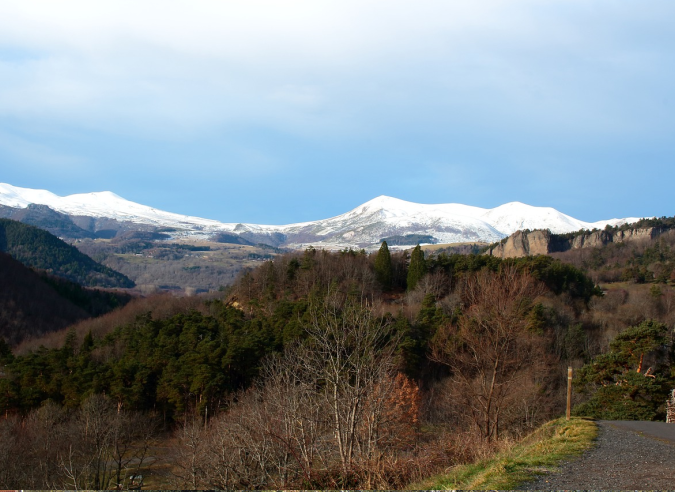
[{"x": 569, "y": 392}]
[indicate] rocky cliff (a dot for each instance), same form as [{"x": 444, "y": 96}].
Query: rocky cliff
[{"x": 526, "y": 243}]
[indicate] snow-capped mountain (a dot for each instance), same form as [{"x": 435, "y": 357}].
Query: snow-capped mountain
[
  {"x": 363, "y": 227},
  {"x": 382, "y": 217}
]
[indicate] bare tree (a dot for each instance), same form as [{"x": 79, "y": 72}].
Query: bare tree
[
  {"x": 437, "y": 283},
  {"x": 351, "y": 352},
  {"x": 297, "y": 420},
  {"x": 492, "y": 347},
  {"x": 91, "y": 448},
  {"x": 12, "y": 456},
  {"x": 97, "y": 428},
  {"x": 244, "y": 452},
  {"x": 47, "y": 433}
]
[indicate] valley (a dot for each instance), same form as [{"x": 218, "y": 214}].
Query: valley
[{"x": 182, "y": 266}]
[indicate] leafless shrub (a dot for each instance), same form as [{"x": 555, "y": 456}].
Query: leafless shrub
[
  {"x": 93, "y": 447},
  {"x": 189, "y": 458},
  {"x": 436, "y": 283}
]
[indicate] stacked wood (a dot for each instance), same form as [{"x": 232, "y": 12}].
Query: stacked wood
[{"x": 670, "y": 404}]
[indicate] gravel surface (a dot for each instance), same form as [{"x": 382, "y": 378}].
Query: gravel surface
[{"x": 628, "y": 456}]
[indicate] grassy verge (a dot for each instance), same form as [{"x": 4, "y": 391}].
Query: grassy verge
[{"x": 538, "y": 453}]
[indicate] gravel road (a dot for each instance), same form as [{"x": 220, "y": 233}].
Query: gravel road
[{"x": 628, "y": 456}]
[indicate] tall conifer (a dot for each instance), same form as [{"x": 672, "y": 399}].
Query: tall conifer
[
  {"x": 417, "y": 267},
  {"x": 383, "y": 269}
]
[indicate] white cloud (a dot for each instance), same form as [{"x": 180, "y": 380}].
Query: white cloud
[{"x": 168, "y": 68}]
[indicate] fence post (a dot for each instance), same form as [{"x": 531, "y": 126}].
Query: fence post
[{"x": 569, "y": 392}]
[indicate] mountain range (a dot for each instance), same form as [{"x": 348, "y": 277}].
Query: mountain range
[{"x": 105, "y": 214}]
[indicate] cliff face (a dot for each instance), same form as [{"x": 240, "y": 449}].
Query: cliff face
[
  {"x": 522, "y": 243},
  {"x": 526, "y": 243}
]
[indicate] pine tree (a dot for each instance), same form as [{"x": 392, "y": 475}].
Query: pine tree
[
  {"x": 383, "y": 269},
  {"x": 6, "y": 355},
  {"x": 623, "y": 388},
  {"x": 87, "y": 343},
  {"x": 417, "y": 267}
]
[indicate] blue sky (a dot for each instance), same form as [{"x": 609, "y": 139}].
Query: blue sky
[{"x": 286, "y": 111}]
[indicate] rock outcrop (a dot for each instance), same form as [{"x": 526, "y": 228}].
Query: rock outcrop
[
  {"x": 523, "y": 243},
  {"x": 530, "y": 243}
]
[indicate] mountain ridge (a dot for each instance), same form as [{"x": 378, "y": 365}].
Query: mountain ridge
[{"x": 362, "y": 227}]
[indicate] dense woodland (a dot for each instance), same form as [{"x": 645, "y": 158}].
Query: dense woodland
[{"x": 335, "y": 370}]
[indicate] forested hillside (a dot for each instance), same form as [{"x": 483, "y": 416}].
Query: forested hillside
[
  {"x": 41, "y": 250},
  {"x": 409, "y": 356},
  {"x": 28, "y": 306},
  {"x": 45, "y": 218},
  {"x": 33, "y": 304},
  {"x": 419, "y": 363}
]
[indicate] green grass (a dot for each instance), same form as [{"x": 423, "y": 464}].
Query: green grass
[{"x": 538, "y": 453}]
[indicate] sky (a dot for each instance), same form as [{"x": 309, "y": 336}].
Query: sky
[{"x": 274, "y": 112}]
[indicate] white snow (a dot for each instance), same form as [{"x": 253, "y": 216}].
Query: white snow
[{"x": 104, "y": 204}]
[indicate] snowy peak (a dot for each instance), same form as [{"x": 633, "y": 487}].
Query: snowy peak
[
  {"x": 384, "y": 201},
  {"x": 394, "y": 207}
]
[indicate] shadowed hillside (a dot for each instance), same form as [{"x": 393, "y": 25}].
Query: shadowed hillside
[
  {"x": 29, "y": 306},
  {"x": 39, "y": 249},
  {"x": 33, "y": 304}
]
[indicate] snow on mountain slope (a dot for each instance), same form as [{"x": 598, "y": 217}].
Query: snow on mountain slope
[
  {"x": 105, "y": 204},
  {"x": 363, "y": 227},
  {"x": 601, "y": 224},
  {"x": 13, "y": 196},
  {"x": 516, "y": 216},
  {"x": 367, "y": 224}
]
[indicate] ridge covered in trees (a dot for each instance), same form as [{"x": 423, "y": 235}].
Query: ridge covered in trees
[{"x": 41, "y": 250}]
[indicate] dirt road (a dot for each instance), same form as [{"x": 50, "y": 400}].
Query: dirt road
[{"x": 628, "y": 456}]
